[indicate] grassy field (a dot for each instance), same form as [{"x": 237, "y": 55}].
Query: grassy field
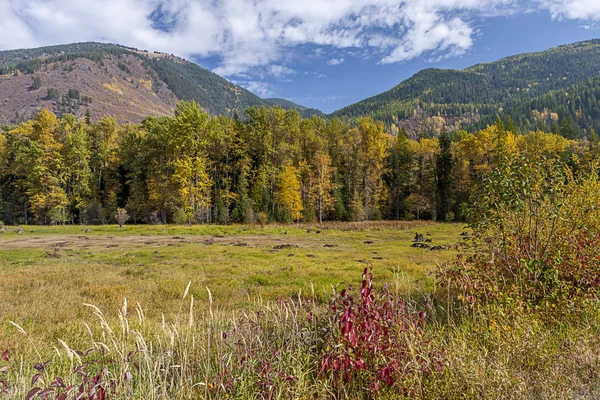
[
  {"x": 47, "y": 274},
  {"x": 243, "y": 312}
]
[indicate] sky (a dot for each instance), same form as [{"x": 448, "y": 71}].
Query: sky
[{"x": 324, "y": 54}]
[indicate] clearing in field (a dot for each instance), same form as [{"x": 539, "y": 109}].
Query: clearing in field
[{"x": 47, "y": 274}]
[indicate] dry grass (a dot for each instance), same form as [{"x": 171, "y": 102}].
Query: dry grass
[
  {"x": 225, "y": 321},
  {"x": 48, "y": 273}
]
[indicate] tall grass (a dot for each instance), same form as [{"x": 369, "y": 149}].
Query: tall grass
[
  {"x": 364, "y": 344},
  {"x": 271, "y": 351},
  {"x": 263, "y": 353}
]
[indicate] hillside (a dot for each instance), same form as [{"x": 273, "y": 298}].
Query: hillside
[
  {"x": 305, "y": 111},
  {"x": 532, "y": 88},
  {"x": 97, "y": 79}
]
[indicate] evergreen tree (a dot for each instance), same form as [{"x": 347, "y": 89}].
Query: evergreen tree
[
  {"x": 243, "y": 205},
  {"x": 398, "y": 174},
  {"x": 568, "y": 128},
  {"x": 444, "y": 176}
]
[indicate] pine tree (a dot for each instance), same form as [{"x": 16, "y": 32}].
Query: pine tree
[
  {"x": 243, "y": 207},
  {"x": 444, "y": 176},
  {"x": 398, "y": 173},
  {"x": 133, "y": 166},
  {"x": 568, "y": 128},
  {"x": 341, "y": 212}
]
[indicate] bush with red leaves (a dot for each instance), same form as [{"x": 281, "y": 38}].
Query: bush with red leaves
[
  {"x": 376, "y": 342},
  {"x": 91, "y": 387},
  {"x": 3, "y": 371}
]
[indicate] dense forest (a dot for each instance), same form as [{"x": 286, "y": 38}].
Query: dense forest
[{"x": 270, "y": 165}]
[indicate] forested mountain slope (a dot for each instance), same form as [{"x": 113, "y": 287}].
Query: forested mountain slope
[
  {"x": 286, "y": 104},
  {"x": 533, "y": 89}
]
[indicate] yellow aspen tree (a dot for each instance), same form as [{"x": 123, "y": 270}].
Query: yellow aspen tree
[
  {"x": 190, "y": 135},
  {"x": 193, "y": 184},
  {"x": 484, "y": 148},
  {"x": 323, "y": 185},
  {"x": 372, "y": 152},
  {"x": 541, "y": 144},
  {"x": 289, "y": 192},
  {"x": 44, "y": 168}
]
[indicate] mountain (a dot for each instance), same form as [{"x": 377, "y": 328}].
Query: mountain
[
  {"x": 97, "y": 79},
  {"x": 528, "y": 91},
  {"x": 305, "y": 111},
  {"x": 533, "y": 89}
]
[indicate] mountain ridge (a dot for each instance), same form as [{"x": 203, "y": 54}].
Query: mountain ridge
[
  {"x": 434, "y": 99},
  {"x": 93, "y": 79},
  {"x": 117, "y": 82}
]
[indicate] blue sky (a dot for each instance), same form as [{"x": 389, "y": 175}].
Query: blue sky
[
  {"x": 357, "y": 78},
  {"x": 319, "y": 53}
]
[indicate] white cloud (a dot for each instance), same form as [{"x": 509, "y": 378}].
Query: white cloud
[
  {"x": 317, "y": 74},
  {"x": 261, "y": 89},
  {"x": 279, "y": 71},
  {"x": 574, "y": 9},
  {"x": 322, "y": 99},
  {"x": 256, "y": 37},
  {"x": 336, "y": 61}
]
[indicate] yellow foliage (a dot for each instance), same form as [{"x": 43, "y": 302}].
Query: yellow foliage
[
  {"x": 112, "y": 88},
  {"x": 541, "y": 143},
  {"x": 428, "y": 147},
  {"x": 289, "y": 192},
  {"x": 3, "y": 151},
  {"x": 192, "y": 183},
  {"x": 321, "y": 192},
  {"x": 481, "y": 148}
]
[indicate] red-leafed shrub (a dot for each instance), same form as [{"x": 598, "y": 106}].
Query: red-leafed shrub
[
  {"x": 3, "y": 371},
  {"x": 88, "y": 382},
  {"x": 375, "y": 342}
]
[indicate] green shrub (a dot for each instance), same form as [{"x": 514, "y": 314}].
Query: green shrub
[{"x": 535, "y": 228}]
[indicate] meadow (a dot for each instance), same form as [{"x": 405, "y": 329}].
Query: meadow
[
  {"x": 47, "y": 273},
  {"x": 336, "y": 310},
  {"x": 50, "y": 276}
]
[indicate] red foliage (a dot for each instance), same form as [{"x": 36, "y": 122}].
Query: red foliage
[
  {"x": 377, "y": 340},
  {"x": 90, "y": 386}
]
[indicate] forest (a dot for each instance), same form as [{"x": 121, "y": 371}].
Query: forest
[
  {"x": 536, "y": 90},
  {"x": 268, "y": 165}
]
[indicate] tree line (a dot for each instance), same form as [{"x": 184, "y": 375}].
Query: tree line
[{"x": 270, "y": 165}]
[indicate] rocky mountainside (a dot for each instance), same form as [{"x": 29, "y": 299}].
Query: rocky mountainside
[{"x": 97, "y": 79}]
